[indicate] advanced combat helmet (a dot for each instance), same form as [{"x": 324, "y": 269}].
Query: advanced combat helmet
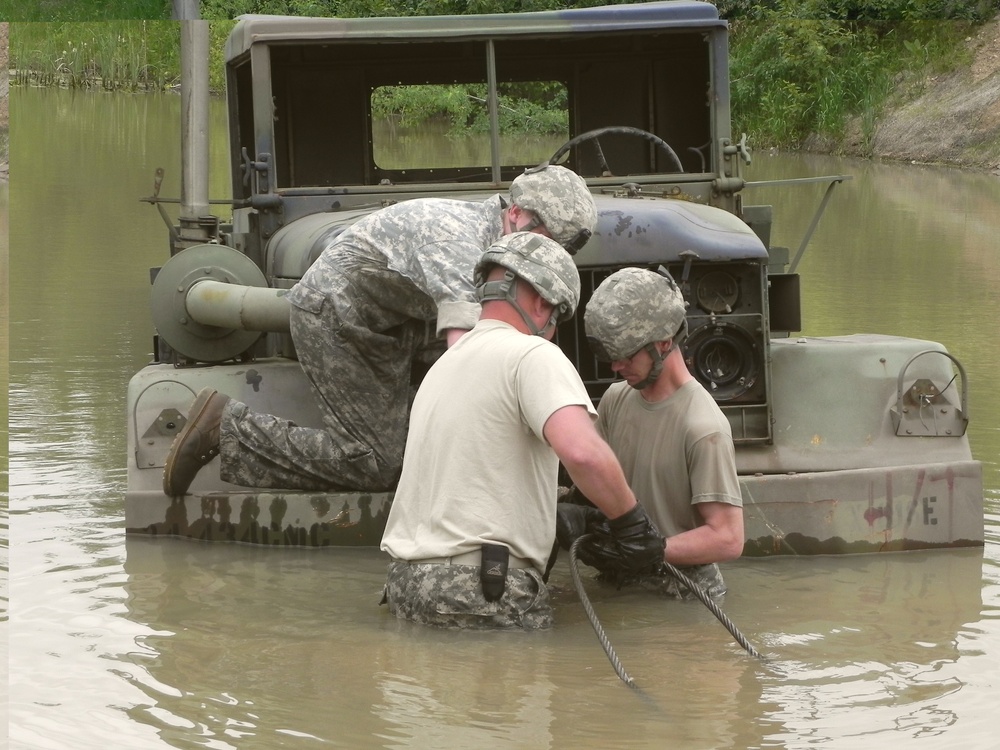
[
  {"x": 561, "y": 200},
  {"x": 631, "y": 310},
  {"x": 540, "y": 261}
]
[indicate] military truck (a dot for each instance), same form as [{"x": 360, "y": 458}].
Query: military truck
[{"x": 874, "y": 459}]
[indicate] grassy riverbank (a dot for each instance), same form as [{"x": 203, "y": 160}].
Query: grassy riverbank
[
  {"x": 83, "y": 10},
  {"x": 948, "y": 116},
  {"x": 925, "y": 91},
  {"x": 111, "y": 55}
]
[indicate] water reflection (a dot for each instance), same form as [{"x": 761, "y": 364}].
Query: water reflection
[
  {"x": 229, "y": 623},
  {"x": 151, "y": 643},
  {"x": 849, "y": 665},
  {"x": 232, "y": 622}
]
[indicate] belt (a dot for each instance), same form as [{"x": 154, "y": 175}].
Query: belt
[{"x": 469, "y": 558}]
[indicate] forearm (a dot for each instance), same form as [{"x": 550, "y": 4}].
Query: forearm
[
  {"x": 589, "y": 461},
  {"x": 601, "y": 480},
  {"x": 719, "y": 540}
]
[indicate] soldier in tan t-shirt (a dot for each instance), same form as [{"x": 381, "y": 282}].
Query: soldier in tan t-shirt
[{"x": 673, "y": 441}]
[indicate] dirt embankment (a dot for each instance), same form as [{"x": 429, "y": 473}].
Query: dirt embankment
[{"x": 947, "y": 119}]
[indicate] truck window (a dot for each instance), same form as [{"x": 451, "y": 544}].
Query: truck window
[{"x": 432, "y": 126}]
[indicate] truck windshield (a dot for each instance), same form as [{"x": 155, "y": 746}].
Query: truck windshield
[{"x": 439, "y": 126}]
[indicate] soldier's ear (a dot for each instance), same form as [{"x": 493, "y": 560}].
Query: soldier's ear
[{"x": 538, "y": 305}]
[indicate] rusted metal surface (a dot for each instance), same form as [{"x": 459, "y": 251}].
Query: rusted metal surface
[{"x": 925, "y": 506}]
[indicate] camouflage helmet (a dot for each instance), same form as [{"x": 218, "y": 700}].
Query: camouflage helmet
[
  {"x": 633, "y": 307},
  {"x": 561, "y": 200},
  {"x": 540, "y": 261}
]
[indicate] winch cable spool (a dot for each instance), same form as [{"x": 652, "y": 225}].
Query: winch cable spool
[{"x": 602, "y": 636}]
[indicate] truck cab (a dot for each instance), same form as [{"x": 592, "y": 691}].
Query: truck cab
[{"x": 640, "y": 93}]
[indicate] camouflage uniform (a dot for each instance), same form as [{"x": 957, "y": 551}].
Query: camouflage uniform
[
  {"x": 451, "y": 596},
  {"x": 359, "y": 317},
  {"x": 707, "y": 577}
]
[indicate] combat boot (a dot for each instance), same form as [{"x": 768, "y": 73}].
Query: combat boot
[{"x": 196, "y": 444}]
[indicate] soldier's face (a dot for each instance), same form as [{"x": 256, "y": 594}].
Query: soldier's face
[{"x": 633, "y": 369}]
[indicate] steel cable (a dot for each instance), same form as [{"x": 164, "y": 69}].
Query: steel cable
[
  {"x": 714, "y": 608},
  {"x": 602, "y": 636}
]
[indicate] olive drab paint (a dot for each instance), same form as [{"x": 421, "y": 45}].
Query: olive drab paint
[{"x": 845, "y": 463}]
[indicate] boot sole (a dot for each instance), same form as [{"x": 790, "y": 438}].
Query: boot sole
[{"x": 198, "y": 406}]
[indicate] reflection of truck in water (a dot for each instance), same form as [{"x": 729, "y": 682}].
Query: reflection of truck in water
[{"x": 845, "y": 444}]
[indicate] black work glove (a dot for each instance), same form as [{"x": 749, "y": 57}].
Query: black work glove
[
  {"x": 573, "y": 521},
  {"x": 626, "y": 546}
]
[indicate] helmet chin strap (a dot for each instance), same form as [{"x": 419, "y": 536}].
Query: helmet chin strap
[
  {"x": 506, "y": 289},
  {"x": 657, "y": 369},
  {"x": 535, "y": 330}
]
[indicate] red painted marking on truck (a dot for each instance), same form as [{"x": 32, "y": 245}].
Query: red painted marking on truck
[
  {"x": 873, "y": 514},
  {"x": 916, "y": 497}
]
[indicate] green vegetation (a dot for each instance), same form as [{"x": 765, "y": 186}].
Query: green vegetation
[
  {"x": 799, "y": 67},
  {"x": 83, "y": 10},
  {"x": 804, "y": 67},
  {"x": 539, "y": 108},
  {"x": 792, "y": 78},
  {"x": 129, "y": 55},
  {"x": 112, "y": 54}
]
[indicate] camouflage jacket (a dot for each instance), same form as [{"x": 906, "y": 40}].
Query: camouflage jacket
[{"x": 433, "y": 242}]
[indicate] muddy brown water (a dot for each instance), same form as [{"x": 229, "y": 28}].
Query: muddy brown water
[{"x": 144, "y": 643}]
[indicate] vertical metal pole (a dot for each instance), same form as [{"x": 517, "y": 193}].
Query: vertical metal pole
[
  {"x": 194, "y": 128},
  {"x": 494, "y": 108},
  {"x": 186, "y": 10}
]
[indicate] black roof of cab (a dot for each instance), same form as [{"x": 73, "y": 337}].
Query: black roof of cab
[{"x": 680, "y": 14}]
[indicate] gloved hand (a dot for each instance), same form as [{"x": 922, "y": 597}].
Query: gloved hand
[
  {"x": 625, "y": 546},
  {"x": 573, "y": 521}
]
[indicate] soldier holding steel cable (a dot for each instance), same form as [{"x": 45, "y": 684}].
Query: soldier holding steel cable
[{"x": 673, "y": 441}]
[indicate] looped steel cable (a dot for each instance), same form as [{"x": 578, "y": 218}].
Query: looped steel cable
[{"x": 603, "y": 638}]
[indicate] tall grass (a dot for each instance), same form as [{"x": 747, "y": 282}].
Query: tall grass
[
  {"x": 113, "y": 54},
  {"x": 83, "y": 10},
  {"x": 129, "y": 55}
]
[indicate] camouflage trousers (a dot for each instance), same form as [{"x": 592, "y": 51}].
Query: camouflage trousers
[
  {"x": 356, "y": 340},
  {"x": 451, "y": 596},
  {"x": 707, "y": 577}
]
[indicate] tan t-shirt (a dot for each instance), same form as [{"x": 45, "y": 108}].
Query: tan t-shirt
[
  {"x": 477, "y": 467},
  {"x": 675, "y": 453}
]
